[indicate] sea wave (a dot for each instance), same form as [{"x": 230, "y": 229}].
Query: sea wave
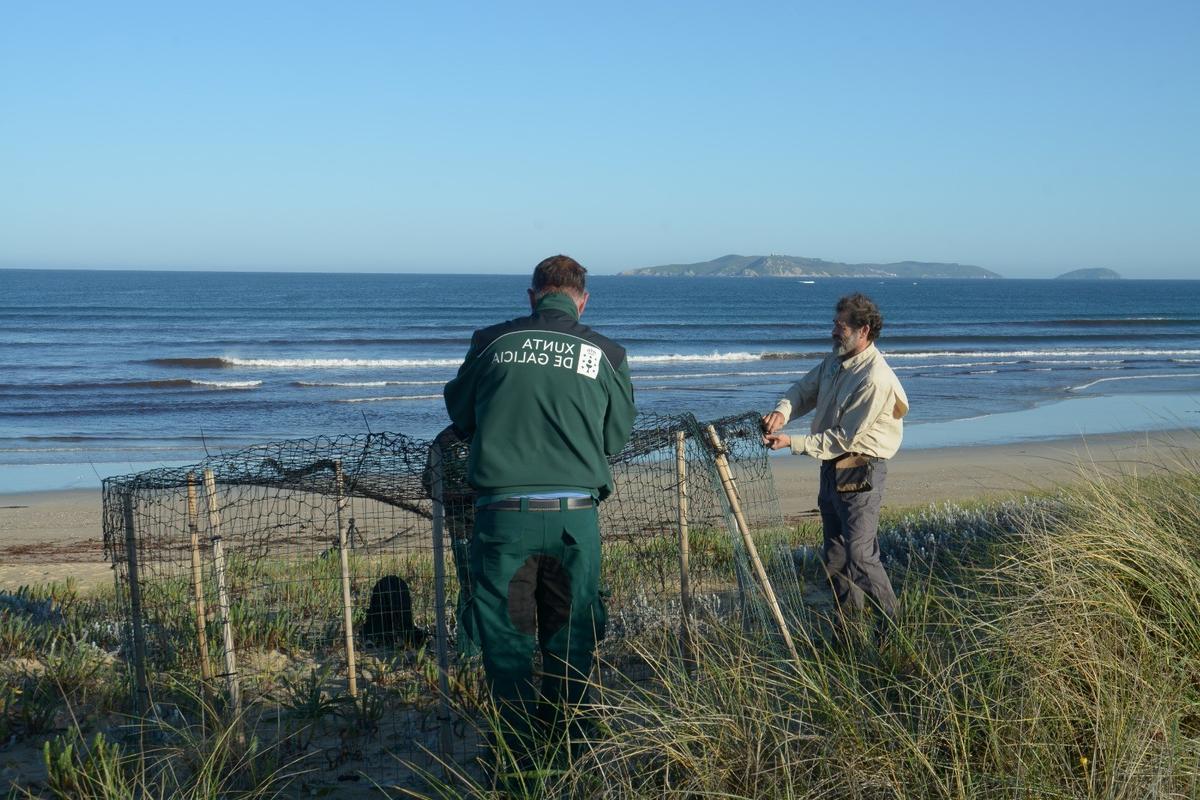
[
  {"x": 225, "y": 362},
  {"x": 227, "y": 384},
  {"x": 697, "y": 357},
  {"x": 392, "y": 398},
  {"x": 1034, "y": 353},
  {"x": 906, "y": 354},
  {"x": 342, "y": 363},
  {"x": 363, "y": 384},
  {"x": 1081, "y": 387},
  {"x": 1119, "y": 321},
  {"x": 714, "y": 387},
  {"x": 964, "y": 365},
  {"x": 1089, "y": 361},
  {"x": 194, "y": 363},
  {"x": 166, "y": 383},
  {"x": 686, "y": 375}
]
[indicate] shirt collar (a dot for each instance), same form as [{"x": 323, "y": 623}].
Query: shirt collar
[
  {"x": 558, "y": 301},
  {"x": 861, "y": 358}
]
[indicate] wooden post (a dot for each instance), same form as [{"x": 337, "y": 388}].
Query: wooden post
[
  {"x": 685, "y": 581},
  {"x": 141, "y": 700},
  {"x": 223, "y": 607},
  {"x": 735, "y": 506},
  {"x": 206, "y": 675},
  {"x": 347, "y": 601},
  {"x": 439, "y": 600}
]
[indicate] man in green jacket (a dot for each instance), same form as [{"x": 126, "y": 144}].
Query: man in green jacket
[{"x": 544, "y": 401}]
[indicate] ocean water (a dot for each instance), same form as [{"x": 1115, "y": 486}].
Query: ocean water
[{"x": 121, "y": 369}]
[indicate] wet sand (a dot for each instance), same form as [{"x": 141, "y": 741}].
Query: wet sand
[{"x": 47, "y": 536}]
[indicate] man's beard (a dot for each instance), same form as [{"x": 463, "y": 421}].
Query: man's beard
[{"x": 844, "y": 345}]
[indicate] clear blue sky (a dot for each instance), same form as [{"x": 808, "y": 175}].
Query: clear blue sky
[{"x": 1029, "y": 138}]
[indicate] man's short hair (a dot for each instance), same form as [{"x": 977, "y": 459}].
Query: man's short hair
[
  {"x": 559, "y": 274},
  {"x": 861, "y": 310}
]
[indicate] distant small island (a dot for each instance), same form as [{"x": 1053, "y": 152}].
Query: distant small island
[
  {"x": 1091, "y": 274},
  {"x": 774, "y": 266}
]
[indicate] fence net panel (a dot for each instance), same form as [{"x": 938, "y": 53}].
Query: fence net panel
[
  {"x": 740, "y": 439},
  {"x": 270, "y": 548}
]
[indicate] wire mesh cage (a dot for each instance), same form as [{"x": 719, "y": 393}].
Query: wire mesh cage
[{"x": 303, "y": 588}]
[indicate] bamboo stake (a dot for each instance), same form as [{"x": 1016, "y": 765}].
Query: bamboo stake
[
  {"x": 141, "y": 699},
  {"x": 347, "y": 602},
  {"x": 685, "y": 581},
  {"x": 223, "y": 607},
  {"x": 206, "y": 675},
  {"x": 744, "y": 527},
  {"x": 439, "y": 590}
]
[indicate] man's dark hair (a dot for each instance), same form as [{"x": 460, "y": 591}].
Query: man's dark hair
[
  {"x": 861, "y": 310},
  {"x": 559, "y": 274}
]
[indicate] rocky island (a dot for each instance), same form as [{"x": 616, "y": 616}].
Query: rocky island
[
  {"x": 735, "y": 266},
  {"x": 1092, "y": 274}
]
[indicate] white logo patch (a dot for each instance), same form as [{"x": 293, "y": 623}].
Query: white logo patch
[{"x": 589, "y": 360}]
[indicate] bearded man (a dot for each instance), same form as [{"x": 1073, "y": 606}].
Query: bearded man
[{"x": 858, "y": 408}]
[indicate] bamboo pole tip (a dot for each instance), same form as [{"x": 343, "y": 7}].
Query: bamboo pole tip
[{"x": 715, "y": 439}]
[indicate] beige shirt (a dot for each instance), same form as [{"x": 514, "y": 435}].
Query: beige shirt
[{"x": 858, "y": 406}]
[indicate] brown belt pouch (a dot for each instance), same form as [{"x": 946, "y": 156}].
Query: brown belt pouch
[{"x": 852, "y": 473}]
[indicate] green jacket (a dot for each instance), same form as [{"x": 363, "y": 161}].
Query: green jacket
[{"x": 544, "y": 400}]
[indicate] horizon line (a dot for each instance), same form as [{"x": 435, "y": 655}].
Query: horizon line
[{"x": 285, "y": 271}]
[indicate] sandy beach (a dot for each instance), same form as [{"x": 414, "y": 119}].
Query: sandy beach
[
  {"x": 46, "y": 536},
  {"x": 963, "y": 474}
]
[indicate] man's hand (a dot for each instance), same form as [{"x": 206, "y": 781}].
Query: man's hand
[
  {"x": 777, "y": 441},
  {"x": 773, "y": 422}
]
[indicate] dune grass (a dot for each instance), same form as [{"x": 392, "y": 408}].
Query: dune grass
[{"x": 1046, "y": 648}]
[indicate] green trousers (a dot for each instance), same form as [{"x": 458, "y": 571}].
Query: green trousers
[{"x": 536, "y": 585}]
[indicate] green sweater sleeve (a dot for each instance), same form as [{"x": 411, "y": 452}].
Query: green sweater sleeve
[{"x": 618, "y": 419}]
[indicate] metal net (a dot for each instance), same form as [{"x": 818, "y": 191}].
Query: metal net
[{"x": 312, "y": 589}]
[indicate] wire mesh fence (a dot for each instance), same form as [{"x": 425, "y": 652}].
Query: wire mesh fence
[{"x": 313, "y": 589}]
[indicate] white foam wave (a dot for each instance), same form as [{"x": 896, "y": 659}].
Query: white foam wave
[
  {"x": 341, "y": 363},
  {"x": 227, "y": 384},
  {"x": 695, "y": 358},
  {"x": 394, "y": 398},
  {"x": 1081, "y": 387},
  {"x": 982, "y": 372}
]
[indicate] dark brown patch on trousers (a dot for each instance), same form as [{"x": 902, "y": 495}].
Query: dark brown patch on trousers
[{"x": 540, "y": 589}]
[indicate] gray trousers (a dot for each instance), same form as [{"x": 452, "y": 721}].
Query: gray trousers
[{"x": 851, "y": 549}]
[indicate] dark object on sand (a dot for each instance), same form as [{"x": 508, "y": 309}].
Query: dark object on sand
[{"x": 390, "y": 616}]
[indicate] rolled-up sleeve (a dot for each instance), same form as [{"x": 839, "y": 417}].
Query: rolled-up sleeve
[{"x": 801, "y": 396}]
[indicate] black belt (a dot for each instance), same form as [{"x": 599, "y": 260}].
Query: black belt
[{"x": 547, "y": 504}]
